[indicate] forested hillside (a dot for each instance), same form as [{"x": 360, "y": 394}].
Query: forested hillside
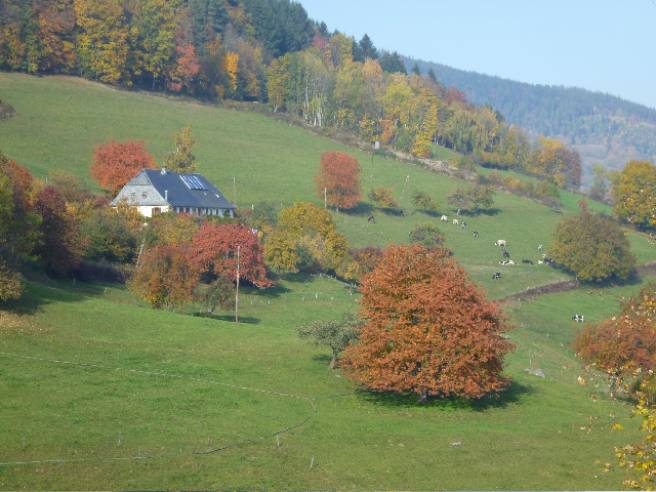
[
  {"x": 603, "y": 128},
  {"x": 268, "y": 51}
]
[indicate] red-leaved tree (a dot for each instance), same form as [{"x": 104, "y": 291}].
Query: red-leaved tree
[
  {"x": 339, "y": 179},
  {"x": 428, "y": 329},
  {"x": 186, "y": 69},
  {"x": 214, "y": 250},
  {"x": 116, "y": 163}
]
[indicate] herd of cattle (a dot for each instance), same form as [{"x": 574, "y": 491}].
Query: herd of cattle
[{"x": 501, "y": 243}]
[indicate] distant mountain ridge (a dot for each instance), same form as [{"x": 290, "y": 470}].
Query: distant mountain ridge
[{"x": 602, "y": 127}]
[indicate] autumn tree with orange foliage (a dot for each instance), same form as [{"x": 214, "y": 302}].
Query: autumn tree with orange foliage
[
  {"x": 428, "y": 329},
  {"x": 339, "y": 176},
  {"x": 164, "y": 276},
  {"x": 116, "y": 163},
  {"x": 624, "y": 344},
  {"x": 214, "y": 250}
]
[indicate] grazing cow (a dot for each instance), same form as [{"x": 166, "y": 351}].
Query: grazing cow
[
  {"x": 579, "y": 318},
  {"x": 475, "y": 234},
  {"x": 540, "y": 262},
  {"x": 540, "y": 247},
  {"x": 505, "y": 253},
  {"x": 500, "y": 242},
  {"x": 456, "y": 222},
  {"x": 463, "y": 225},
  {"x": 506, "y": 262},
  {"x": 527, "y": 262},
  {"x": 444, "y": 218},
  {"x": 458, "y": 212},
  {"x": 371, "y": 218},
  {"x": 496, "y": 275}
]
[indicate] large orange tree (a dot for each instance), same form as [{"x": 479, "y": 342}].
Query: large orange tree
[
  {"x": 339, "y": 179},
  {"x": 428, "y": 329},
  {"x": 116, "y": 163}
]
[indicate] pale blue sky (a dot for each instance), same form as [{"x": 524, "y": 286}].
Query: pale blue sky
[{"x": 603, "y": 45}]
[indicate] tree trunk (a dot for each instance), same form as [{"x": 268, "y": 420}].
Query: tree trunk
[
  {"x": 423, "y": 396},
  {"x": 333, "y": 360}
]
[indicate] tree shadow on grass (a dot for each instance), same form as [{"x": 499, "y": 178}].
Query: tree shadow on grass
[
  {"x": 247, "y": 320},
  {"x": 322, "y": 358},
  {"x": 394, "y": 212},
  {"x": 271, "y": 292},
  {"x": 47, "y": 291},
  {"x": 362, "y": 208},
  {"x": 512, "y": 395},
  {"x": 489, "y": 212}
]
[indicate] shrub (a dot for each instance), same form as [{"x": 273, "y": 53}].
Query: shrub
[
  {"x": 474, "y": 199},
  {"x": 383, "y": 197},
  {"x": 427, "y": 235},
  {"x": 423, "y": 201}
]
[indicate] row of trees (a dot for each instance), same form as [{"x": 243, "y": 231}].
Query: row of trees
[
  {"x": 213, "y": 48},
  {"x": 56, "y": 226},
  {"x": 327, "y": 86}
]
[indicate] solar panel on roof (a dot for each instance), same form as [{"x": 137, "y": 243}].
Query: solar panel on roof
[{"x": 192, "y": 182}]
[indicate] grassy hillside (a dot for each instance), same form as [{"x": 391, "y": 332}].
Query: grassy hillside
[
  {"x": 133, "y": 393},
  {"x": 99, "y": 391},
  {"x": 59, "y": 120}
]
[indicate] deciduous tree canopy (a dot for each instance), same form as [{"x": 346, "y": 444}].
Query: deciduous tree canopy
[
  {"x": 593, "y": 247},
  {"x": 634, "y": 194},
  {"x": 338, "y": 178},
  {"x": 116, "y": 163},
  {"x": 427, "y": 329}
]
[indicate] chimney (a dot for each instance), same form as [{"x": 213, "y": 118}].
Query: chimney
[{"x": 166, "y": 195}]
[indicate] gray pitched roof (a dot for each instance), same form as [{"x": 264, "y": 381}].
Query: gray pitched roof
[{"x": 180, "y": 189}]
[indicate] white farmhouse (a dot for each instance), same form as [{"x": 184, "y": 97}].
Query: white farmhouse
[{"x": 154, "y": 191}]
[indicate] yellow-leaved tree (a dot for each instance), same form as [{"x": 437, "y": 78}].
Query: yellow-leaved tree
[{"x": 305, "y": 239}]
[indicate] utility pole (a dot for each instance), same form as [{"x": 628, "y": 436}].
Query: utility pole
[
  {"x": 237, "y": 289},
  {"x": 234, "y": 189},
  {"x": 325, "y": 198}
]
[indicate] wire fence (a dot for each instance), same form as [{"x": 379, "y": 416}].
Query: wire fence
[{"x": 313, "y": 408}]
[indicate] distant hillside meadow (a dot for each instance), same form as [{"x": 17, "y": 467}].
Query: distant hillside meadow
[{"x": 602, "y": 127}]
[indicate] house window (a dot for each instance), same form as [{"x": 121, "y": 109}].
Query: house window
[
  {"x": 144, "y": 195},
  {"x": 133, "y": 197},
  {"x": 157, "y": 210}
]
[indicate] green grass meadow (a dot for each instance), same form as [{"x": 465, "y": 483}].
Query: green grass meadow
[{"x": 99, "y": 391}]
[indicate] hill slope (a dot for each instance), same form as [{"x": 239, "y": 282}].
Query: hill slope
[
  {"x": 134, "y": 393},
  {"x": 252, "y": 158},
  {"x": 603, "y": 128}
]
